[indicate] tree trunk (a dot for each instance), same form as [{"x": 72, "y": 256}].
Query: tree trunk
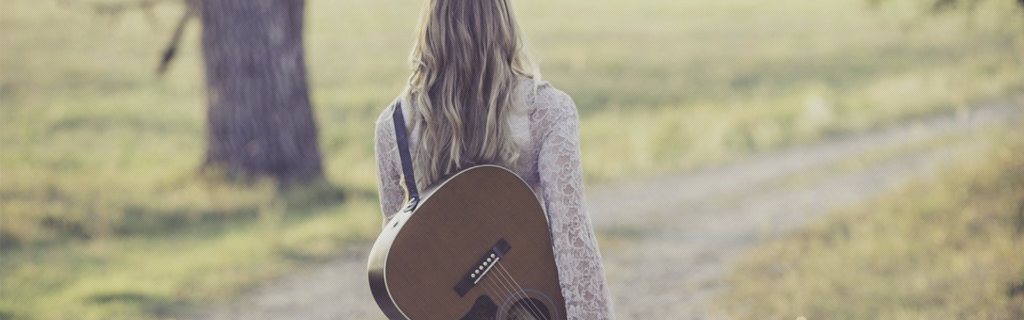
[{"x": 260, "y": 122}]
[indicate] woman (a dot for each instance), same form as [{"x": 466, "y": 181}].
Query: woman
[{"x": 474, "y": 97}]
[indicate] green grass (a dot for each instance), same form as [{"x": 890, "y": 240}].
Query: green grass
[
  {"x": 98, "y": 156},
  {"x": 161, "y": 276},
  {"x": 939, "y": 249},
  {"x": 673, "y": 86}
]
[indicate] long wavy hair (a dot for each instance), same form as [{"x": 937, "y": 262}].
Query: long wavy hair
[{"x": 468, "y": 59}]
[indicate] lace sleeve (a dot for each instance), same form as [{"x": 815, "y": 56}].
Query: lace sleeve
[
  {"x": 580, "y": 271},
  {"x": 388, "y": 171}
]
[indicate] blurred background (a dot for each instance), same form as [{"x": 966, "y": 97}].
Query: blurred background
[{"x": 846, "y": 159}]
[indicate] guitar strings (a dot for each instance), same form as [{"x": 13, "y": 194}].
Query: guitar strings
[
  {"x": 521, "y": 293},
  {"x": 533, "y": 306},
  {"x": 509, "y": 284},
  {"x": 497, "y": 281},
  {"x": 489, "y": 286},
  {"x": 506, "y": 286},
  {"x": 530, "y": 301}
]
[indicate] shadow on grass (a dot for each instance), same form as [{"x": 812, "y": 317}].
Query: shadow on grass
[
  {"x": 159, "y": 307},
  {"x": 295, "y": 204},
  {"x": 7, "y": 315},
  {"x": 187, "y": 207}
]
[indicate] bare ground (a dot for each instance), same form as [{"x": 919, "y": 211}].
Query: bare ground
[{"x": 666, "y": 242}]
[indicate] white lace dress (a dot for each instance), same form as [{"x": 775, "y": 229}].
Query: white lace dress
[{"x": 548, "y": 135}]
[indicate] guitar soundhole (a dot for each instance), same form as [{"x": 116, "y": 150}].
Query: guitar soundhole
[{"x": 528, "y": 309}]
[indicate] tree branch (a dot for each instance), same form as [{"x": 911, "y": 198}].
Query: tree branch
[{"x": 191, "y": 11}]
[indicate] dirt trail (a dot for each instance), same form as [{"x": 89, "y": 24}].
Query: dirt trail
[{"x": 670, "y": 239}]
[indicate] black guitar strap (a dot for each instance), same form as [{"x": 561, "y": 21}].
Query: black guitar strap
[{"x": 403, "y": 151}]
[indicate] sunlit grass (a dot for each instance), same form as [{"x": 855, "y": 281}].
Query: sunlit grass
[
  {"x": 98, "y": 156},
  {"x": 161, "y": 276},
  {"x": 947, "y": 247}
]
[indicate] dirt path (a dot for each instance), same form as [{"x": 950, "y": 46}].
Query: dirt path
[{"x": 669, "y": 240}]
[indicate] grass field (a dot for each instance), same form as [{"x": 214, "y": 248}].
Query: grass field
[
  {"x": 103, "y": 217},
  {"x": 943, "y": 248}
]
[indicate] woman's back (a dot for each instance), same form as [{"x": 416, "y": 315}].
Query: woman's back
[{"x": 546, "y": 130}]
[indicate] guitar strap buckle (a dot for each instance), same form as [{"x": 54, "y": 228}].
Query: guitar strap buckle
[{"x": 411, "y": 205}]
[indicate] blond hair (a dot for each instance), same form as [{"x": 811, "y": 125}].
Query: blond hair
[{"x": 468, "y": 59}]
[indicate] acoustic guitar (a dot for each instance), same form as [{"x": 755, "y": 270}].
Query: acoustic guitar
[{"x": 476, "y": 246}]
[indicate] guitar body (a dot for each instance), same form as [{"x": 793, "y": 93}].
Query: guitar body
[{"x": 476, "y": 247}]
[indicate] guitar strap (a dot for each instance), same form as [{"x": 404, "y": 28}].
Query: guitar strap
[{"x": 403, "y": 151}]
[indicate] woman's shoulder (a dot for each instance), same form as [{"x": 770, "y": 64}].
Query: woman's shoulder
[
  {"x": 549, "y": 103},
  {"x": 385, "y": 121},
  {"x": 544, "y": 97}
]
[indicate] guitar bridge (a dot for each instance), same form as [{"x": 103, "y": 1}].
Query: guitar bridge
[{"x": 482, "y": 267}]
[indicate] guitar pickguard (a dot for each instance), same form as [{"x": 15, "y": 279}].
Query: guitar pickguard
[{"x": 483, "y": 309}]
